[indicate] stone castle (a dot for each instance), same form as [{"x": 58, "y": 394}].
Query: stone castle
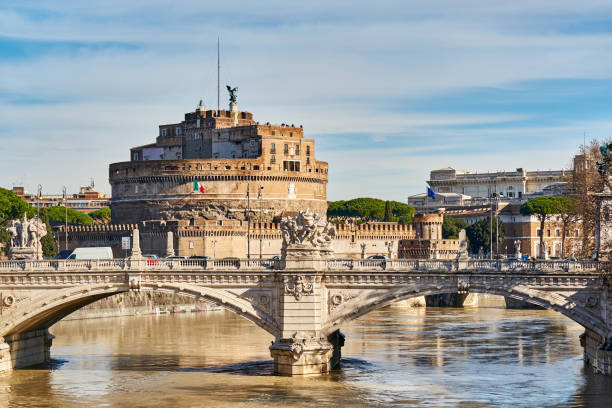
[
  {"x": 192, "y": 191},
  {"x": 229, "y": 155}
]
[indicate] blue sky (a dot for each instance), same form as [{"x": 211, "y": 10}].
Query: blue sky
[{"x": 389, "y": 90}]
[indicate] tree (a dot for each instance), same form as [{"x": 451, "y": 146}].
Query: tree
[
  {"x": 47, "y": 242},
  {"x": 543, "y": 208},
  {"x": 568, "y": 215},
  {"x": 370, "y": 209},
  {"x": 479, "y": 236},
  {"x": 58, "y": 214},
  {"x": 13, "y": 207},
  {"x": 452, "y": 226},
  {"x": 584, "y": 180},
  {"x": 388, "y": 215},
  {"x": 103, "y": 214}
]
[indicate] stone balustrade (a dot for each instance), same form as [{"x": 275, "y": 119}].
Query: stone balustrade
[{"x": 362, "y": 265}]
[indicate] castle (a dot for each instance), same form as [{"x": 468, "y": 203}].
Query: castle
[
  {"x": 218, "y": 183},
  {"x": 226, "y": 155}
]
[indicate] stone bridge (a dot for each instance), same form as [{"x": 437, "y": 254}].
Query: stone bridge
[{"x": 302, "y": 303}]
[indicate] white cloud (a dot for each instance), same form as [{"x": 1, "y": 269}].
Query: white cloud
[{"x": 335, "y": 67}]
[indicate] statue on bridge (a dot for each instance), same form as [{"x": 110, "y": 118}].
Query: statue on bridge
[
  {"x": 307, "y": 233},
  {"x": 25, "y": 238}
]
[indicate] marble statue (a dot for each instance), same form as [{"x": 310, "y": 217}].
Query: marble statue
[
  {"x": 308, "y": 231},
  {"x": 25, "y": 238}
]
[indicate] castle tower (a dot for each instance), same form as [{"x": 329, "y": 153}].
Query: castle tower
[{"x": 428, "y": 226}]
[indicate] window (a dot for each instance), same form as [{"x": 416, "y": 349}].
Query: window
[
  {"x": 190, "y": 244},
  {"x": 291, "y": 165},
  {"x": 297, "y": 150},
  {"x": 163, "y": 132},
  {"x": 178, "y": 131},
  {"x": 286, "y": 151},
  {"x": 307, "y": 150},
  {"x": 272, "y": 160},
  {"x": 538, "y": 232},
  {"x": 290, "y": 134},
  {"x": 548, "y": 233},
  {"x": 135, "y": 157},
  {"x": 308, "y": 160},
  {"x": 557, "y": 232},
  {"x": 273, "y": 148},
  {"x": 252, "y": 142},
  {"x": 273, "y": 133}
]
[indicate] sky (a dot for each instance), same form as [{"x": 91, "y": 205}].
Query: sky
[{"x": 389, "y": 90}]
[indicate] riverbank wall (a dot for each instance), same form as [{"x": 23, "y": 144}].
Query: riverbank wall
[{"x": 140, "y": 303}]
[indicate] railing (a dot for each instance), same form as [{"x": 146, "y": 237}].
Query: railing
[{"x": 347, "y": 264}]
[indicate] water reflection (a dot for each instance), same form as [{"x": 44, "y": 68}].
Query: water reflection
[{"x": 394, "y": 356}]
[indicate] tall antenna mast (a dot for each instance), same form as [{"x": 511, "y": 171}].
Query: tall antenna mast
[{"x": 218, "y": 76}]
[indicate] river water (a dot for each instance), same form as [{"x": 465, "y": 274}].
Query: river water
[{"x": 434, "y": 357}]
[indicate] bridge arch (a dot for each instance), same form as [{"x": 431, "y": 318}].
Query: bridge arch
[
  {"x": 373, "y": 300},
  {"x": 41, "y": 312}
]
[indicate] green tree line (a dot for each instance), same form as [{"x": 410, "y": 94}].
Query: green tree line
[{"x": 370, "y": 209}]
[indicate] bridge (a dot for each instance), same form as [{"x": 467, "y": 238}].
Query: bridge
[{"x": 301, "y": 301}]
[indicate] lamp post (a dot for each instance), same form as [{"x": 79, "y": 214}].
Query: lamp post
[
  {"x": 248, "y": 222},
  {"x": 38, "y": 218},
  {"x": 66, "y": 219},
  {"x": 259, "y": 197}
]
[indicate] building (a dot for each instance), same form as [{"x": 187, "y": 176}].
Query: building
[
  {"x": 503, "y": 184},
  {"x": 522, "y": 232},
  {"x": 462, "y": 189},
  {"x": 86, "y": 200},
  {"x": 229, "y": 155}
]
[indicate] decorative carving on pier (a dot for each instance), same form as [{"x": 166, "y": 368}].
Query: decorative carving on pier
[
  {"x": 296, "y": 350},
  {"x": 25, "y": 238},
  {"x": 463, "y": 286},
  {"x": 299, "y": 285}
]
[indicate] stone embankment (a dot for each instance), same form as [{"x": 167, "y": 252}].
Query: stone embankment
[{"x": 140, "y": 303}]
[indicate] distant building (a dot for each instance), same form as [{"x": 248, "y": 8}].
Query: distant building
[
  {"x": 86, "y": 200},
  {"x": 457, "y": 188},
  {"x": 508, "y": 184}
]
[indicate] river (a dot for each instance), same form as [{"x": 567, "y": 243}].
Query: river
[{"x": 434, "y": 357}]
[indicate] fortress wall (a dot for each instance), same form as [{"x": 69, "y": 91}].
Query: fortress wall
[
  {"x": 164, "y": 190},
  {"x": 228, "y": 238}
]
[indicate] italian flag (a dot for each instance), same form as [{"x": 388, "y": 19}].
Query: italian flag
[{"x": 197, "y": 186}]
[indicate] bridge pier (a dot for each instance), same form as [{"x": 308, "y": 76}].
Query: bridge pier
[
  {"x": 296, "y": 357},
  {"x": 25, "y": 349},
  {"x": 597, "y": 352}
]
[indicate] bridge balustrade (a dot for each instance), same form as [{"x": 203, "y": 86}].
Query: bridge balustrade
[{"x": 388, "y": 265}]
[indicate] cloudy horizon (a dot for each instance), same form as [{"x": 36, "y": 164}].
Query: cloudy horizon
[{"x": 388, "y": 91}]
